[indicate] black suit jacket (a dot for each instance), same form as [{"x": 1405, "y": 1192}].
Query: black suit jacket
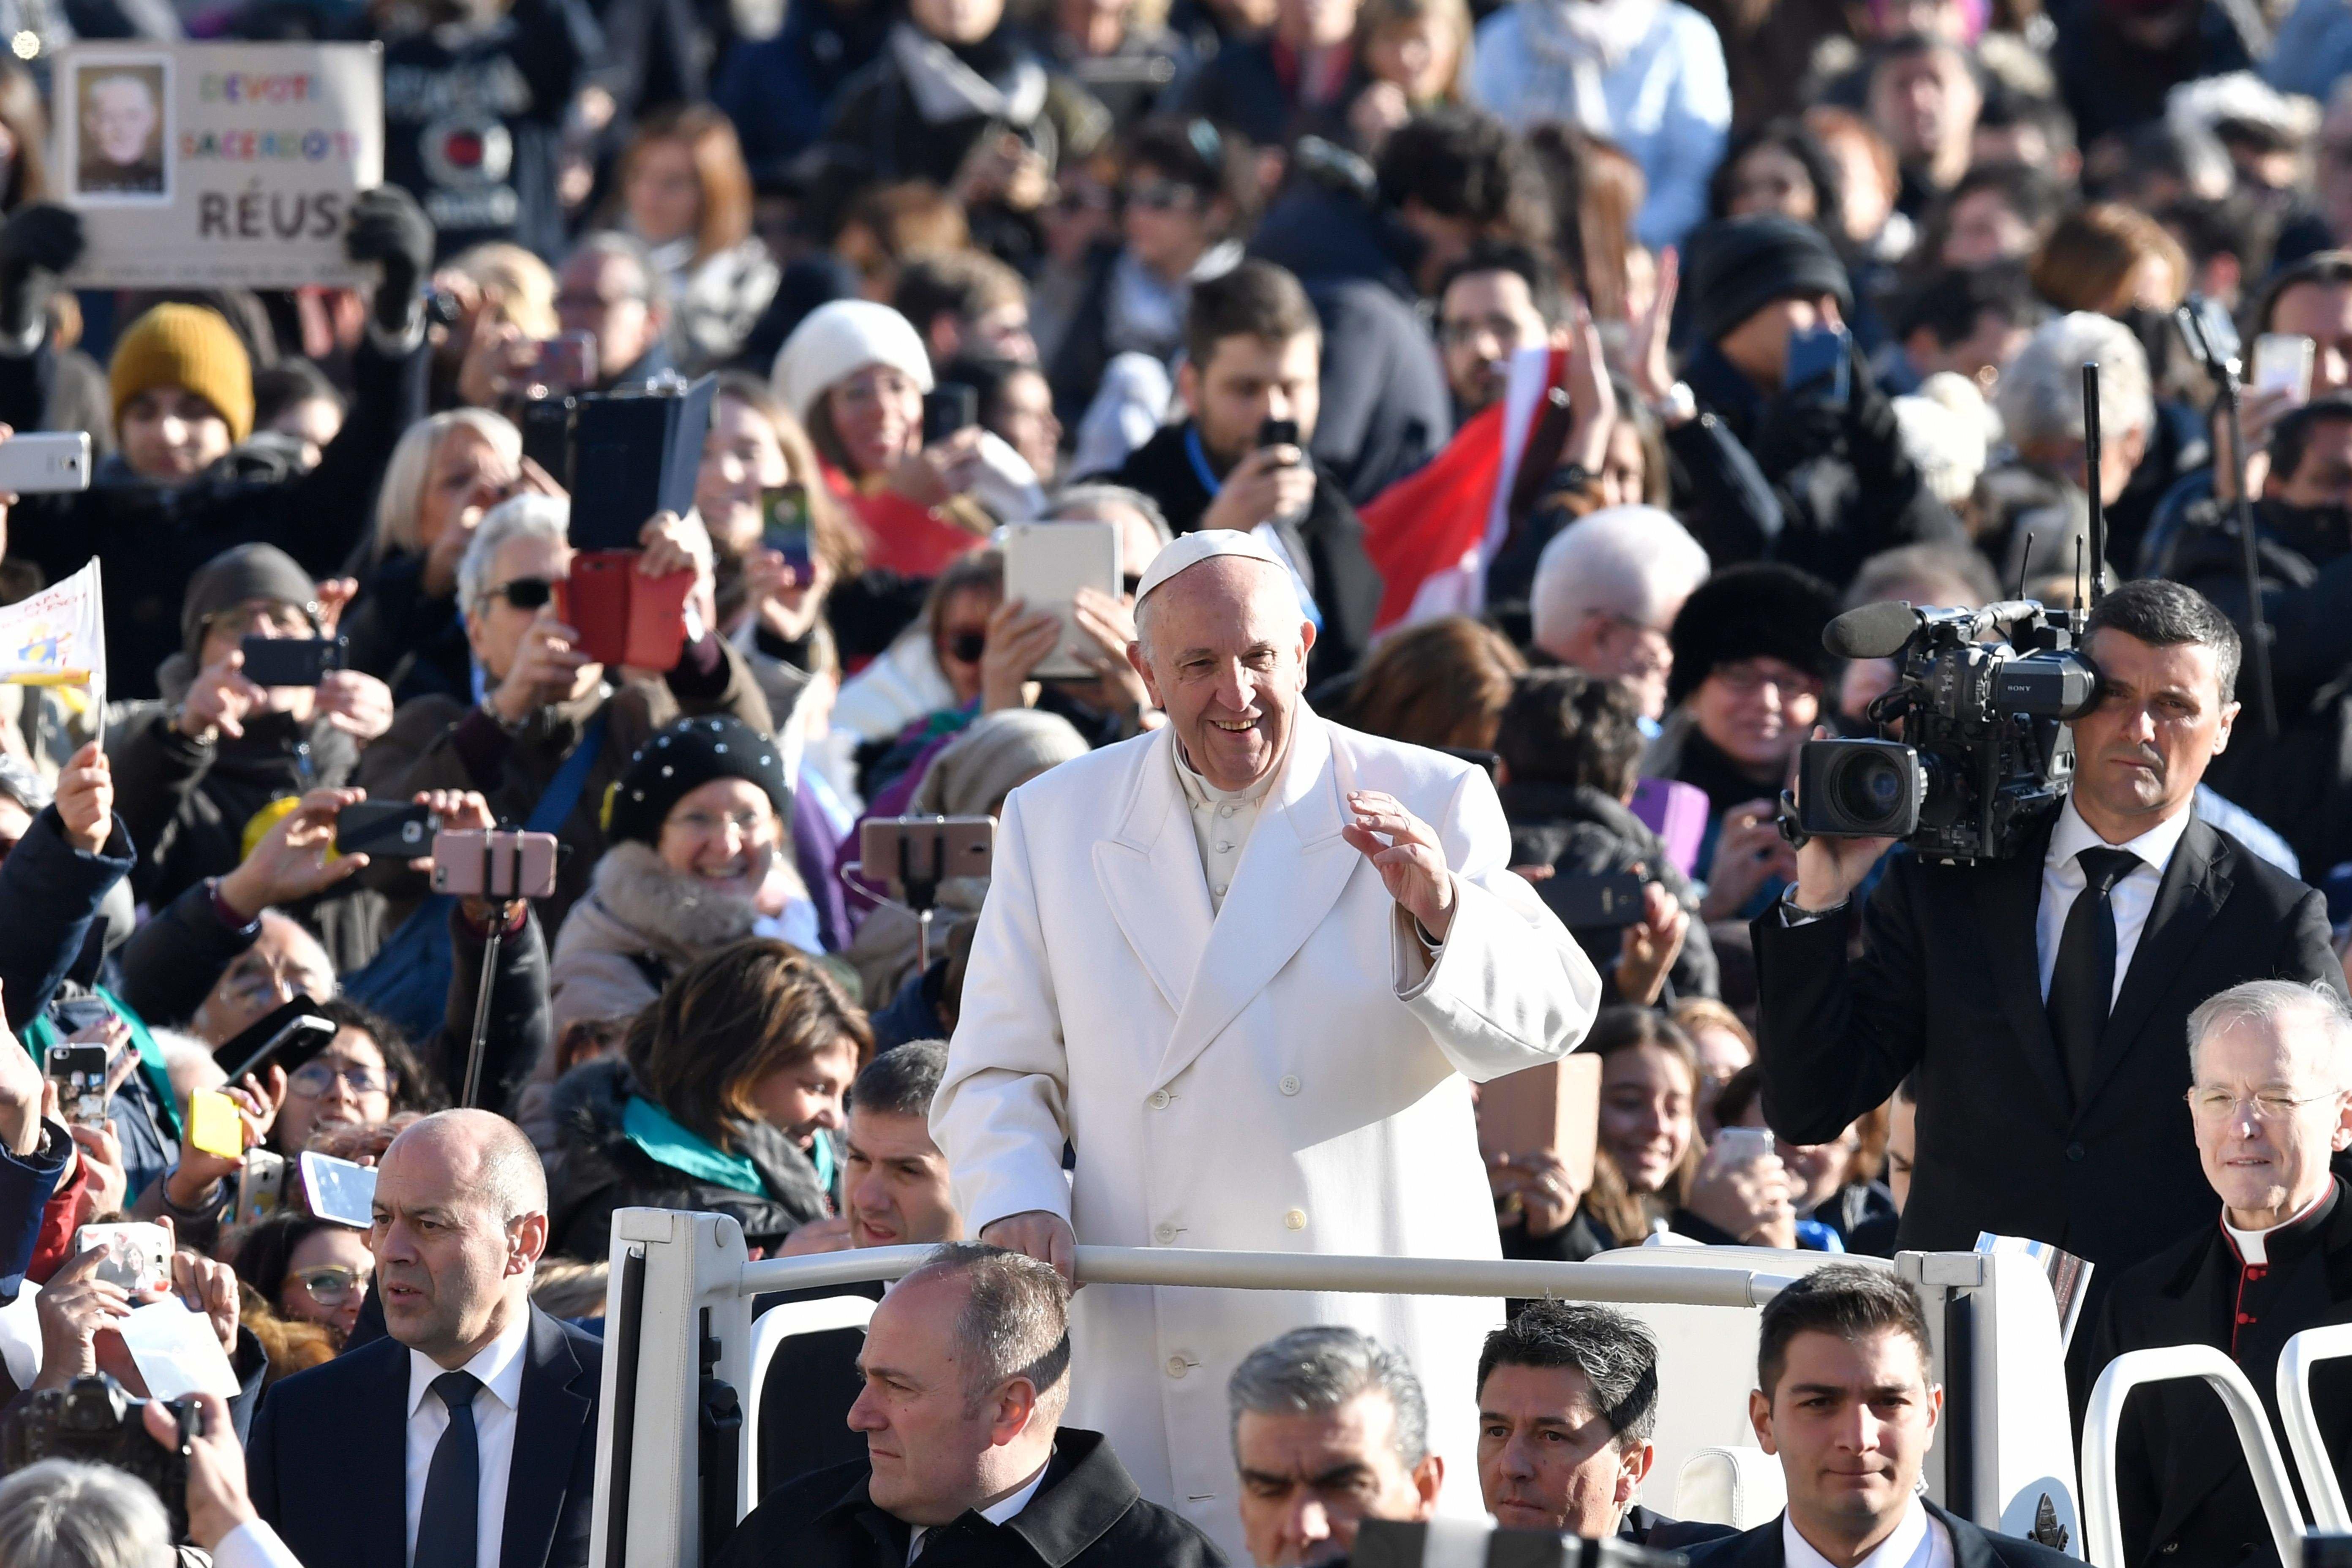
[
  {"x": 1947, "y": 985},
  {"x": 2181, "y": 1481},
  {"x": 1087, "y": 1514},
  {"x": 329, "y": 1461},
  {"x": 1973, "y": 1546}
]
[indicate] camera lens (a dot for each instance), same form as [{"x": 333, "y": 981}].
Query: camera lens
[{"x": 1869, "y": 788}]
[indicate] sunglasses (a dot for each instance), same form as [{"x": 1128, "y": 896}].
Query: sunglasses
[
  {"x": 1161, "y": 195},
  {"x": 965, "y": 648},
  {"x": 525, "y": 593}
]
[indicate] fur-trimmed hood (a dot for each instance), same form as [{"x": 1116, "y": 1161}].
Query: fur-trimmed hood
[{"x": 640, "y": 923}]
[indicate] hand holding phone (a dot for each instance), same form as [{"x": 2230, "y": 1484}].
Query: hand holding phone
[
  {"x": 2282, "y": 363},
  {"x": 784, "y": 527},
  {"x": 81, "y": 1073},
  {"x": 495, "y": 863},
  {"x": 45, "y": 462},
  {"x": 385, "y": 827},
  {"x": 338, "y": 1190},
  {"x": 1047, "y": 564},
  {"x": 290, "y": 661}
]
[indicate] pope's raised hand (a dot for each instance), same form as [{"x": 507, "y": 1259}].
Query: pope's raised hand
[{"x": 1405, "y": 852}]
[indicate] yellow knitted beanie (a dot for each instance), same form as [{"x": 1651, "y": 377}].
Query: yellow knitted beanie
[{"x": 190, "y": 347}]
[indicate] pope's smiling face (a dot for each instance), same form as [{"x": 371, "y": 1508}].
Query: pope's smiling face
[{"x": 1224, "y": 649}]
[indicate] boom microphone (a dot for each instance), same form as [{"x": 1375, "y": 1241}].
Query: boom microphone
[{"x": 1871, "y": 631}]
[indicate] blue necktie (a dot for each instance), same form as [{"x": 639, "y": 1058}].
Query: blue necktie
[{"x": 450, "y": 1526}]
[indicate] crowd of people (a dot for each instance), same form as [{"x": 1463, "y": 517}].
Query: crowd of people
[{"x": 1490, "y": 404}]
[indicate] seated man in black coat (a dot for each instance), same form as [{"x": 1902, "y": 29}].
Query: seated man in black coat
[
  {"x": 1254, "y": 343},
  {"x": 967, "y": 1372},
  {"x": 475, "y": 1402},
  {"x": 2269, "y": 1101},
  {"x": 1844, "y": 1340},
  {"x": 1568, "y": 1396}
]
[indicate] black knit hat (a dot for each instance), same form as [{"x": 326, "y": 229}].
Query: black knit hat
[
  {"x": 230, "y": 578},
  {"x": 1759, "y": 610},
  {"x": 1743, "y": 264},
  {"x": 683, "y": 758}
]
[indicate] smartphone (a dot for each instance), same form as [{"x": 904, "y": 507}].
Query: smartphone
[
  {"x": 80, "y": 1075},
  {"x": 1046, "y": 564},
  {"x": 287, "y": 1037},
  {"x": 948, "y": 407},
  {"x": 291, "y": 661},
  {"x": 260, "y": 1185},
  {"x": 1277, "y": 433},
  {"x": 214, "y": 1125},
  {"x": 2281, "y": 363},
  {"x": 1610, "y": 899},
  {"x": 338, "y": 1190},
  {"x": 566, "y": 364},
  {"x": 1820, "y": 365},
  {"x": 1741, "y": 1145},
  {"x": 494, "y": 863},
  {"x": 784, "y": 526},
  {"x": 40, "y": 462},
  {"x": 138, "y": 1256},
  {"x": 625, "y": 618},
  {"x": 899, "y": 849},
  {"x": 385, "y": 827}
]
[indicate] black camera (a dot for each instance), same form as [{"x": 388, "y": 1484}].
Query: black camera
[
  {"x": 92, "y": 1419},
  {"x": 1975, "y": 741}
]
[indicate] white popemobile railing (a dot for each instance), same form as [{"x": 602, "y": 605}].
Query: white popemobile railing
[
  {"x": 677, "y": 1439},
  {"x": 2102, "y": 1520},
  {"x": 2303, "y": 1438}
]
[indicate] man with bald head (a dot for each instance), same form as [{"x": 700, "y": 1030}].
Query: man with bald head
[
  {"x": 466, "y": 1439},
  {"x": 1246, "y": 964}
]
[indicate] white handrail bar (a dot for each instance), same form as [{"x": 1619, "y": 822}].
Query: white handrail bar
[
  {"x": 1176, "y": 1265},
  {"x": 2103, "y": 1528},
  {"x": 2303, "y": 1438}
]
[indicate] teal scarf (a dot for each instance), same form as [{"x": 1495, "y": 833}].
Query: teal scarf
[{"x": 667, "y": 1142}]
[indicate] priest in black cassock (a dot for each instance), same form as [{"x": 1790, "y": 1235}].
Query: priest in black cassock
[{"x": 2271, "y": 1064}]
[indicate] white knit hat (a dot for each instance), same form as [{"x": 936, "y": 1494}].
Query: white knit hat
[{"x": 837, "y": 340}]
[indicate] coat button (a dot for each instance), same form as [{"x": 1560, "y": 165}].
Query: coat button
[
  {"x": 1164, "y": 1234},
  {"x": 1159, "y": 1099},
  {"x": 2076, "y": 1151},
  {"x": 1295, "y": 1220},
  {"x": 1289, "y": 1084},
  {"x": 1175, "y": 1366}
]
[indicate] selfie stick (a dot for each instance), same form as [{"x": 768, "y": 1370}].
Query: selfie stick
[
  {"x": 474, "y": 1047},
  {"x": 2224, "y": 368},
  {"x": 2091, "y": 487}
]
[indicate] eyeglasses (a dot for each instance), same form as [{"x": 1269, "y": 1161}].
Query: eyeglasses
[
  {"x": 315, "y": 1078},
  {"x": 524, "y": 593},
  {"x": 2265, "y": 1105},
  {"x": 331, "y": 1284}
]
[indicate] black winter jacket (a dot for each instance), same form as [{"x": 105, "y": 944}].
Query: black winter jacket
[{"x": 1578, "y": 831}]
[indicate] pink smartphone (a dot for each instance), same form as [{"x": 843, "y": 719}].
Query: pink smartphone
[{"x": 494, "y": 863}]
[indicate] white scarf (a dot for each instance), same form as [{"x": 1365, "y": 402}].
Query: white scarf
[
  {"x": 946, "y": 89},
  {"x": 1586, "y": 39}
]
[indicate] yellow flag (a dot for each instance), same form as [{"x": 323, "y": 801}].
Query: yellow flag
[{"x": 58, "y": 637}]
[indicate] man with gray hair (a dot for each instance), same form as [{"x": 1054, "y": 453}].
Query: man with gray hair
[
  {"x": 611, "y": 289},
  {"x": 469, "y": 1431},
  {"x": 1330, "y": 1428},
  {"x": 2040, "y": 401},
  {"x": 1606, "y": 591},
  {"x": 542, "y": 696},
  {"x": 967, "y": 1371},
  {"x": 2270, "y": 1103}
]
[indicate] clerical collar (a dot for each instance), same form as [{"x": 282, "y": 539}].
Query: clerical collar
[
  {"x": 2253, "y": 1246},
  {"x": 1201, "y": 792}
]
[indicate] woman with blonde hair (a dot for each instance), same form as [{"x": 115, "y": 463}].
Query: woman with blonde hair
[
  {"x": 1416, "y": 53},
  {"x": 446, "y": 472},
  {"x": 684, "y": 191},
  {"x": 505, "y": 309}
]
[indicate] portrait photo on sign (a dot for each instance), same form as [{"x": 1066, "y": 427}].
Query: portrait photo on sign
[{"x": 122, "y": 126}]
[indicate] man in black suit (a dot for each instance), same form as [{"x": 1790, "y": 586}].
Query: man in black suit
[
  {"x": 967, "y": 1367},
  {"x": 466, "y": 1439},
  {"x": 2270, "y": 1106},
  {"x": 1842, "y": 1399},
  {"x": 2041, "y": 999},
  {"x": 1568, "y": 1396}
]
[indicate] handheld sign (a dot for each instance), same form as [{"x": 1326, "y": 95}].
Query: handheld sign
[{"x": 217, "y": 163}]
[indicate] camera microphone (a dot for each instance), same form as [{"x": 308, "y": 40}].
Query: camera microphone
[{"x": 1872, "y": 631}]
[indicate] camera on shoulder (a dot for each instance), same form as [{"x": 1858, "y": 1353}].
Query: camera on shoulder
[
  {"x": 94, "y": 1420},
  {"x": 1975, "y": 739}
]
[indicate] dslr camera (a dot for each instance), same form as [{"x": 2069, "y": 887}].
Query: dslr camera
[
  {"x": 93, "y": 1419},
  {"x": 1975, "y": 740}
]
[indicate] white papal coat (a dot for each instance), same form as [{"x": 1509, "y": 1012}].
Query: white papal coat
[{"x": 1288, "y": 1076}]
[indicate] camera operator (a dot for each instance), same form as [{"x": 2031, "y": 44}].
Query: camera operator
[{"x": 2040, "y": 998}]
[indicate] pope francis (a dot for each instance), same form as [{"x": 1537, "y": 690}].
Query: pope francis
[{"x": 1244, "y": 965}]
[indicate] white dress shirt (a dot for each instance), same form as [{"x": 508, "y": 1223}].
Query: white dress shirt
[
  {"x": 498, "y": 1365},
  {"x": 999, "y": 1512},
  {"x": 1222, "y": 821},
  {"x": 1918, "y": 1541},
  {"x": 2132, "y": 897},
  {"x": 253, "y": 1544}
]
